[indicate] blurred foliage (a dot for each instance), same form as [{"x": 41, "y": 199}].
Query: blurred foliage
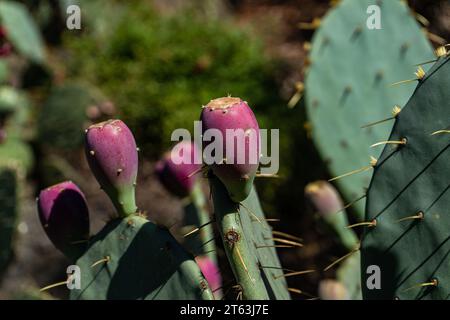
[
  {"x": 22, "y": 30},
  {"x": 63, "y": 116},
  {"x": 160, "y": 69}
]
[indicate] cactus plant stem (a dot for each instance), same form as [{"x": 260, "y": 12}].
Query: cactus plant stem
[{"x": 236, "y": 246}]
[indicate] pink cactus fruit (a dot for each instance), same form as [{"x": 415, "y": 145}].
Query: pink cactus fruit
[
  {"x": 237, "y": 124},
  {"x": 64, "y": 214},
  {"x": 112, "y": 156}
]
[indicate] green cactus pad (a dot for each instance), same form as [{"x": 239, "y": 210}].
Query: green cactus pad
[
  {"x": 145, "y": 262},
  {"x": 348, "y": 84},
  {"x": 267, "y": 256},
  {"x": 8, "y": 213},
  {"x": 411, "y": 179},
  {"x": 248, "y": 244},
  {"x": 196, "y": 215}
]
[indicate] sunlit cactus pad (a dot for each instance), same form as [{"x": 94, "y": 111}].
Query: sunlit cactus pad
[
  {"x": 409, "y": 198},
  {"x": 348, "y": 84}
]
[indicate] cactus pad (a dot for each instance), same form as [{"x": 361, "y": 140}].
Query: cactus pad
[
  {"x": 248, "y": 244},
  {"x": 409, "y": 198},
  {"x": 348, "y": 84},
  {"x": 138, "y": 260}
]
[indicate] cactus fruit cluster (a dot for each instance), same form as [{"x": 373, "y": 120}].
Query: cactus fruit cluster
[
  {"x": 384, "y": 142},
  {"x": 348, "y": 85},
  {"x": 408, "y": 198},
  {"x": 131, "y": 257}
]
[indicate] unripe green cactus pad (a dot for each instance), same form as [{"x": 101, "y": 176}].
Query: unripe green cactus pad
[
  {"x": 409, "y": 198},
  {"x": 132, "y": 258},
  {"x": 348, "y": 84}
]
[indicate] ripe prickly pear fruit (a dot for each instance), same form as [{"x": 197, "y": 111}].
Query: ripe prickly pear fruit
[
  {"x": 176, "y": 169},
  {"x": 332, "y": 290},
  {"x": 64, "y": 214},
  {"x": 234, "y": 119},
  {"x": 112, "y": 156},
  {"x": 211, "y": 273}
]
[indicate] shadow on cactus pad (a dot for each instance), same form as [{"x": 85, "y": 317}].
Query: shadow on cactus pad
[{"x": 132, "y": 258}]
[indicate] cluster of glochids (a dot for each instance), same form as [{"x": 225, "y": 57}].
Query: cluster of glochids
[{"x": 108, "y": 259}]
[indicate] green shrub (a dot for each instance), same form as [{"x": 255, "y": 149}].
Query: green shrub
[{"x": 160, "y": 69}]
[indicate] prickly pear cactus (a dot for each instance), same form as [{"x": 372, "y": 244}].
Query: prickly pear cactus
[
  {"x": 246, "y": 236},
  {"x": 248, "y": 243},
  {"x": 409, "y": 200},
  {"x": 8, "y": 213},
  {"x": 131, "y": 257},
  {"x": 347, "y": 84}
]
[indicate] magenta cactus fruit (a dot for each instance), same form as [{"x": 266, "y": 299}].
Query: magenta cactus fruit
[
  {"x": 332, "y": 290},
  {"x": 178, "y": 169},
  {"x": 112, "y": 156},
  {"x": 235, "y": 121},
  {"x": 211, "y": 273},
  {"x": 64, "y": 214},
  {"x": 324, "y": 197}
]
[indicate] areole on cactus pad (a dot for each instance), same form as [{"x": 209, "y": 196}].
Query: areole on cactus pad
[{"x": 131, "y": 257}]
